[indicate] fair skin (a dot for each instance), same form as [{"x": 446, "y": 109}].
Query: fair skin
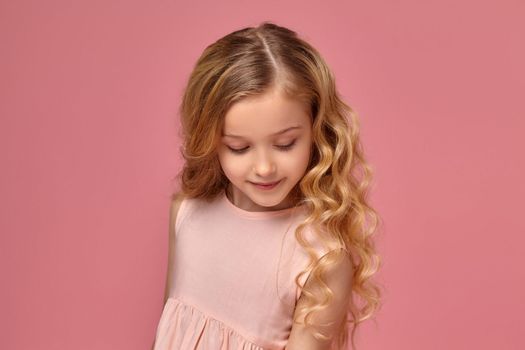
[
  {"x": 260, "y": 154},
  {"x": 265, "y": 138}
]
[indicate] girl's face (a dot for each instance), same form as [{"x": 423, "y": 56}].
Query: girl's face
[{"x": 265, "y": 139}]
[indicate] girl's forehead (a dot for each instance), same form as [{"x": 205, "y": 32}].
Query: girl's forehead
[{"x": 266, "y": 115}]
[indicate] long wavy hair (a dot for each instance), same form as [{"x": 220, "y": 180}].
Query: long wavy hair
[{"x": 335, "y": 186}]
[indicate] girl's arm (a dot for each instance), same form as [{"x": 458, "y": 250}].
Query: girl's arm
[
  {"x": 339, "y": 279},
  {"x": 174, "y": 209}
]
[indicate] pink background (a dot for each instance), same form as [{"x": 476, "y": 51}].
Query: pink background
[{"x": 88, "y": 142}]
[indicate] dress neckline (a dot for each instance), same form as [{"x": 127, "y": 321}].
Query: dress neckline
[{"x": 256, "y": 214}]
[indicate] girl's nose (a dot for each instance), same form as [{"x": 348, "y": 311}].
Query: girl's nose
[{"x": 264, "y": 166}]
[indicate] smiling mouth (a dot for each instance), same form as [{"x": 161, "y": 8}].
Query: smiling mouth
[{"x": 266, "y": 184}]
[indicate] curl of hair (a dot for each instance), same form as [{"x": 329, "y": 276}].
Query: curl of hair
[{"x": 335, "y": 186}]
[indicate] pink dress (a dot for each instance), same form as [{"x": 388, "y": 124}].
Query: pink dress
[{"x": 233, "y": 281}]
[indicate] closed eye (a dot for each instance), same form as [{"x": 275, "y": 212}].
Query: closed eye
[
  {"x": 286, "y": 147},
  {"x": 234, "y": 150},
  {"x": 281, "y": 147}
]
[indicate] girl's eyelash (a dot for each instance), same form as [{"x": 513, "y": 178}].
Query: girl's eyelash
[
  {"x": 283, "y": 148},
  {"x": 238, "y": 151},
  {"x": 287, "y": 147}
]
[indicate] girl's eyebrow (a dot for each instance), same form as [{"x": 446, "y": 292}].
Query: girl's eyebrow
[{"x": 274, "y": 134}]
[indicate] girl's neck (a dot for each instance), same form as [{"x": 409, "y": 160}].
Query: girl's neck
[{"x": 290, "y": 201}]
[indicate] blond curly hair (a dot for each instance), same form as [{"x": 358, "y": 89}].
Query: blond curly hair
[{"x": 335, "y": 186}]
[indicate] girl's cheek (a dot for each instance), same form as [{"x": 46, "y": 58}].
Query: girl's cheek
[{"x": 236, "y": 164}]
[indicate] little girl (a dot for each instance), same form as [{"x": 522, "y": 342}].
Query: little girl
[{"x": 270, "y": 233}]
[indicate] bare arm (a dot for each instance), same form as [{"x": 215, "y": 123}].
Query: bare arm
[
  {"x": 339, "y": 280},
  {"x": 174, "y": 209}
]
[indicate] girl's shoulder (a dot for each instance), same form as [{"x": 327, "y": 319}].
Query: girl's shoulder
[
  {"x": 182, "y": 206},
  {"x": 319, "y": 238},
  {"x": 175, "y": 207},
  {"x": 176, "y": 200}
]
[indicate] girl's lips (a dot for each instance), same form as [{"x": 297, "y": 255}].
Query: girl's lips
[
  {"x": 269, "y": 186},
  {"x": 265, "y": 184}
]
